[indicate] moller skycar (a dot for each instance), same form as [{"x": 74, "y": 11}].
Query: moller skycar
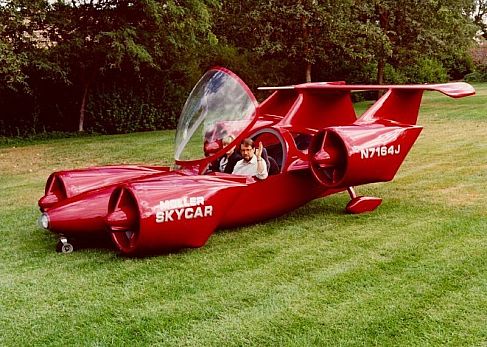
[{"x": 313, "y": 144}]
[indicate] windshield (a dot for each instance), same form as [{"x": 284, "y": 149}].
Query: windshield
[{"x": 219, "y": 105}]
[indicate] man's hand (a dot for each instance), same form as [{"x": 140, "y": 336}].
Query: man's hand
[
  {"x": 258, "y": 151},
  {"x": 261, "y": 165}
]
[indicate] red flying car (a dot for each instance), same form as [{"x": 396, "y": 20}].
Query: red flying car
[{"x": 314, "y": 146}]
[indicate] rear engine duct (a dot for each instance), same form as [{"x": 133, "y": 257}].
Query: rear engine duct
[{"x": 347, "y": 156}]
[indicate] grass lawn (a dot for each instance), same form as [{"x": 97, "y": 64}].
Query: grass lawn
[{"x": 412, "y": 273}]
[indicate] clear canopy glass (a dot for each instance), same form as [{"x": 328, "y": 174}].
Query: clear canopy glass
[{"x": 219, "y": 105}]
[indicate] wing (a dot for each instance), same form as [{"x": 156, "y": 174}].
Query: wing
[
  {"x": 454, "y": 90},
  {"x": 331, "y": 100}
]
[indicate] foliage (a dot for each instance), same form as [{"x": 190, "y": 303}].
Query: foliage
[
  {"x": 86, "y": 42},
  {"x": 121, "y": 110},
  {"x": 94, "y": 65},
  {"x": 476, "y": 77},
  {"x": 458, "y": 65},
  {"x": 431, "y": 29},
  {"x": 11, "y": 64},
  {"x": 426, "y": 71},
  {"x": 300, "y": 32},
  {"x": 394, "y": 76},
  {"x": 479, "y": 75},
  {"x": 478, "y": 10},
  {"x": 96, "y": 37},
  {"x": 19, "y": 24},
  {"x": 361, "y": 34}
]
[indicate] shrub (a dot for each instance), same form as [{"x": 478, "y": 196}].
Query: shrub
[
  {"x": 478, "y": 75},
  {"x": 458, "y": 66},
  {"x": 426, "y": 70},
  {"x": 394, "y": 76},
  {"x": 124, "y": 110}
]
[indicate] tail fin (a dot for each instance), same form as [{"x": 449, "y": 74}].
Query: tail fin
[{"x": 399, "y": 105}]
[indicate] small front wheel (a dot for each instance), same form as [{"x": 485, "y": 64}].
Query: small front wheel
[{"x": 63, "y": 246}]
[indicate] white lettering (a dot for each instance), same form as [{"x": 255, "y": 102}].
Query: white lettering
[
  {"x": 208, "y": 210},
  {"x": 185, "y": 202},
  {"x": 163, "y": 205},
  {"x": 159, "y": 217},
  {"x": 179, "y": 213},
  {"x": 181, "y": 202},
  {"x": 188, "y": 213},
  {"x": 168, "y": 215},
  {"x": 379, "y": 151},
  {"x": 198, "y": 212},
  {"x": 187, "y": 207}
]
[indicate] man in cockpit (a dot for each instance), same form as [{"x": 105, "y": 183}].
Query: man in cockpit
[{"x": 251, "y": 163}]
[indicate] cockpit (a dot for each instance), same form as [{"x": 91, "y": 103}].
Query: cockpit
[{"x": 221, "y": 105}]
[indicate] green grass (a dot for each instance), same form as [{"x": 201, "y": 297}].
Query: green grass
[{"x": 414, "y": 272}]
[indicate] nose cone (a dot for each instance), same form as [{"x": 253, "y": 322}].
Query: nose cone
[
  {"x": 47, "y": 201},
  {"x": 121, "y": 220},
  {"x": 327, "y": 158},
  {"x": 55, "y": 192}
]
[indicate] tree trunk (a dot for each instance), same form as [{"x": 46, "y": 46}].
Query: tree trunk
[
  {"x": 308, "y": 72},
  {"x": 380, "y": 71},
  {"x": 82, "y": 108},
  {"x": 380, "y": 75}
]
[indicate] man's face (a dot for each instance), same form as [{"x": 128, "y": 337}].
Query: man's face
[{"x": 247, "y": 152}]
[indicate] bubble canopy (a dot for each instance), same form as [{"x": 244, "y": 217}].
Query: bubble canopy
[{"x": 219, "y": 105}]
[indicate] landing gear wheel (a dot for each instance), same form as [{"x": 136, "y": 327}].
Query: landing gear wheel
[{"x": 63, "y": 246}]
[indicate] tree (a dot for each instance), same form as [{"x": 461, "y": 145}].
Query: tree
[
  {"x": 304, "y": 31},
  {"x": 11, "y": 63},
  {"x": 355, "y": 33},
  {"x": 92, "y": 37},
  {"x": 399, "y": 35},
  {"x": 18, "y": 39},
  {"x": 301, "y": 32},
  {"x": 478, "y": 12}
]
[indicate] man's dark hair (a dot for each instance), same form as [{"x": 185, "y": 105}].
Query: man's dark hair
[{"x": 247, "y": 142}]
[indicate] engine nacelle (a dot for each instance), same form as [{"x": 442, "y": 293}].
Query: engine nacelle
[
  {"x": 65, "y": 184},
  {"x": 345, "y": 156},
  {"x": 160, "y": 215}
]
